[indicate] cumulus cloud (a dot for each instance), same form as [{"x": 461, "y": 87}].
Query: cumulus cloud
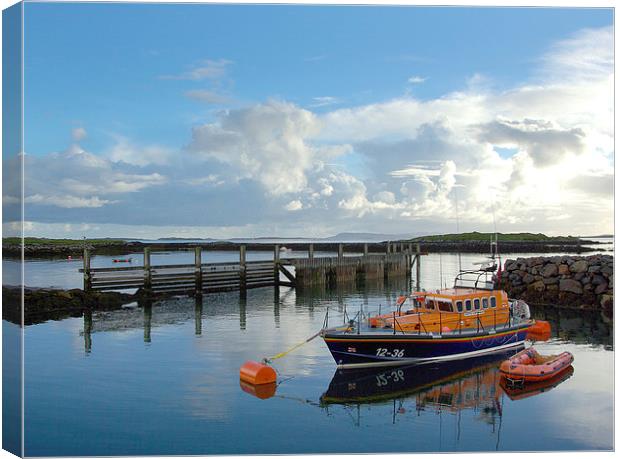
[
  {"x": 270, "y": 143},
  {"x": 125, "y": 151},
  {"x": 76, "y": 179},
  {"x": 294, "y": 205},
  {"x": 544, "y": 143}
]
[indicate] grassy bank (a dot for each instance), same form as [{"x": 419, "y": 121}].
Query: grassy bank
[{"x": 502, "y": 237}]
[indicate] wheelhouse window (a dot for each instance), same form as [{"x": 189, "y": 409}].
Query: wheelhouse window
[
  {"x": 459, "y": 306},
  {"x": 493, "y": 302},
  {"x": 477, "y": 304},
  {"x": 445, "y": 306},
  {"x": 468, "y": 305},
  {"x": 485, "y": 303},
  {"x": 430, "y": 304}
]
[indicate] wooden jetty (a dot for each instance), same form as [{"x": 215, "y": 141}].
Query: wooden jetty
[{"x": 198, "y": 278}]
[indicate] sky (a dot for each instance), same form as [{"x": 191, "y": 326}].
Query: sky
[{"x": 198, "y": 120}]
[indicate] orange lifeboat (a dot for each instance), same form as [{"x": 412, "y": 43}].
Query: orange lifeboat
[{"x": 530, "y": 366}]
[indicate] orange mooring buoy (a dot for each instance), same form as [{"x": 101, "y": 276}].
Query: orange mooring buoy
[{"x": 257, "y": 373}]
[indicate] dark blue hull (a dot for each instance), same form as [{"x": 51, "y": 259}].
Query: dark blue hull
[
  {"x": 376, "y": 349},
  {"x": 369, "y": 385}
]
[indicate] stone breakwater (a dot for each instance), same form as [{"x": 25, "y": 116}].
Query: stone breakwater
[{"x": 576, "y": 281}]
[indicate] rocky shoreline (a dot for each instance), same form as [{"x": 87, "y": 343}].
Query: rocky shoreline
[
  {"x": 571, "y": 281},
  {"x": 115, "y": 248},
  {"x": 41, "y": 304}
]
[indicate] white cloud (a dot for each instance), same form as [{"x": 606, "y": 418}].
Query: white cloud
[
  {"x": 78, "y": 179},
  {"x": 78, "y": 134},
  {"x": 124, "y": 151},
  {"x": 416, "y": 79},
  {"x": 211, "y": 180},
  {"x": 206, "y": 69},
  {"x": 294, "y": 205},
  {"x": 66, "y": 201},
  {"x": 270, "y": 143},
  {"x": 324, "y": 101}
]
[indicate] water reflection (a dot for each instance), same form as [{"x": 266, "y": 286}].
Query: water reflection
[
  {"x": 187, "y": 377},
  {"x": 577, "y": 326},
  {"x": 520, "y": 391},
  {"x": 473, "y": 385}
]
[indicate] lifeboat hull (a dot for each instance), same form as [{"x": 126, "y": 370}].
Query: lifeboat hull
[
  {"x": 351, "y": 350},
  {"x": 529, "y": 366}
]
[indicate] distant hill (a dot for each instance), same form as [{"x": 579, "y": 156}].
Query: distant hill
[
  {"x": 502, "y": 237},
  {"x": 369, "y": 237}
]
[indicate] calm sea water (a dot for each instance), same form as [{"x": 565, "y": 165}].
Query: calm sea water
[{"x": 164, "y": 380}]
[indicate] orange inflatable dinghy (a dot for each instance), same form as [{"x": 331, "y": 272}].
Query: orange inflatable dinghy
[{"x": 529, "y": 366}]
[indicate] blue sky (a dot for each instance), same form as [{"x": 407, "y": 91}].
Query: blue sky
[
  {"x": 178, "y": 99},
  {"x": 100, "y": 65}
]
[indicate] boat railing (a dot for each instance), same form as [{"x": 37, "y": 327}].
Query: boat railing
[{"x": 472, "y": 279}]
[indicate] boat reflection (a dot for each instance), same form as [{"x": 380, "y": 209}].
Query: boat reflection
[
  {"x": 455, "y": 385},
  {"x": 525, "y": 390}
]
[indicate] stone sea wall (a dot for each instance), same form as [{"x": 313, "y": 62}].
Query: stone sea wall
[{"x": 577, "y": 281}]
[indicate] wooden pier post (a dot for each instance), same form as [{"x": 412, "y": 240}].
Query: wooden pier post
[
  {"x": 147, "y": 269},
  {"x": 242, "y": 312},
  {"x": 87, "y": 278},
  {"x": 88, "y": 327},
  {"x": 417, "y": 267},
  {"x": 242, "y": 269},
  {"x": 365, "y": 249},
  {"x": 198, "y": 314},
  {"x": 148, "y": 315},
  {"x": 311, "y": 251},
  {"x": 387, "y": 247},
  {"x": 340, "y": 251},
  {"x": 276, "y": 266},
  {"x": 198, "y": 269}
]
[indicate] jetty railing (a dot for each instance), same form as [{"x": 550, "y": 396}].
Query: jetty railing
[{"x": 199, "y": 277}]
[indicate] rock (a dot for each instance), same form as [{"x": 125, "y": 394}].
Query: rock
[
  {"x": 579, "y": 266},
  {"x": 563, "y": 270},
  {"x": 550, "y": 280},
  {"x": 537, "y": 286},
  {"x": 594, "y": 269},
  {"x": 600, "y": 289},
  {"x": 607, "y": 269},
  {"x": 553, "y": 288},
  {"x": 550, "y": 270},
  {"x": 514, "y": 277},
  {"x": 528, "y": 278},
  {"x": 570, "y": 285},
  {"x": 598, "y": 279},
  {"x": 607, "y": 301}
]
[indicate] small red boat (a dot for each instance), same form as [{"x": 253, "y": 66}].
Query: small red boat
[
  {"x": 121, "y": 260},
  {"x": 530, "y": 366}
]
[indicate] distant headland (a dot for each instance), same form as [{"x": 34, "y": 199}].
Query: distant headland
[{"x": 472, "y": 242}]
